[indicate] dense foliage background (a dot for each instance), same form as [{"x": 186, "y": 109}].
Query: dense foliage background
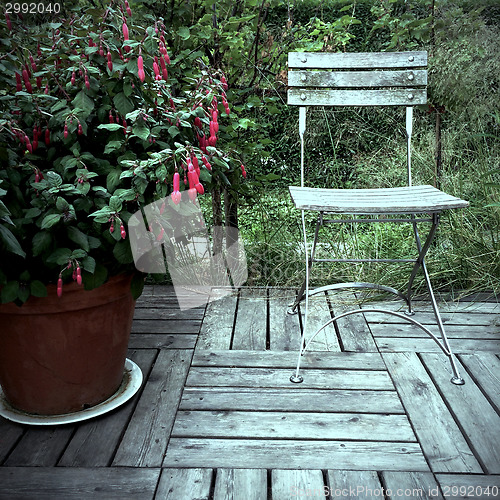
[{"x": 456, "y": 145}]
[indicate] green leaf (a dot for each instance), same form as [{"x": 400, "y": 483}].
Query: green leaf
[
  {"x": 184, "y": 33},
  {"x": 59, "y": 256},
  {"x": 137, "y": 285},
  {"x": 115, "y": 203},
  {"x": 41, "y": 242},
  {"x": 38, "y": 289},
  {"x": 173, "y": 131},
  {"x": 83, "y": 102},
  {"x": 122, "y": 252},
  {"x": 10, "y": 291},
  {"x": 141, "y": 131},
  {"x": 88, "y": 264},
  {"x": 95, "y": 279},
  {"x": 62, "y": 204},
  {"x": 80, "y": 238},
  {"x": 11, "y": 242},
  {"x": 110, "y": 126},
  {"x": 50, "y": 220},
  {"x": 123, "y": 104},
  {"x": 112, "y": 145},
  {"x": 113, "y": 179}
]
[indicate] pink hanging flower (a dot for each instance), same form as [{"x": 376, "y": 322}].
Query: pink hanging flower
[
  {"x": 125, "y": 31},
  {"x": 140, "y": 66}
]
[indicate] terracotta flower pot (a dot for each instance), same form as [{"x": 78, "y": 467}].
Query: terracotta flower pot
[{"x": 61, "y": 355}]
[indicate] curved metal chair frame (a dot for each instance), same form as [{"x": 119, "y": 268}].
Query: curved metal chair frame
[{"x": 404, "y": 84}]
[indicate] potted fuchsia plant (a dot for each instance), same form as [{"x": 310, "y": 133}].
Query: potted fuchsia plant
[{"x": 97, "y": 121}]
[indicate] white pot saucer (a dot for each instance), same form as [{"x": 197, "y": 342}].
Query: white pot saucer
[{"x": 131, "y": 382}]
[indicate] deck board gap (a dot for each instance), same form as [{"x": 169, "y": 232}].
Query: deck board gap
[
  {"x": 235, "y": 318},
  {"x": 469, "y": 442},
  {"x": 469, "y": 372}
]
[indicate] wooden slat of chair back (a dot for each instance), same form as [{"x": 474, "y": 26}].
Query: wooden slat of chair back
[{"x": 335, "y": 79}]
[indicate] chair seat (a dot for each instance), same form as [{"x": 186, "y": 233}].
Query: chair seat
[{"x": 400, "y": 200}]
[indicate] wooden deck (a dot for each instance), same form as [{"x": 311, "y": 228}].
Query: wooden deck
[{"x": 217, "y": 417}]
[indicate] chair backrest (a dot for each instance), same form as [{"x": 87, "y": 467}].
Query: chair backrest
[{"x": 357, "y": 79}]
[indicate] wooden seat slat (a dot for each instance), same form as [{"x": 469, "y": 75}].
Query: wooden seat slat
[{"x": 412, "y": 199}]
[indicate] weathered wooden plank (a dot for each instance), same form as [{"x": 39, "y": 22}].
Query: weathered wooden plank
[
  {"x": 461, "y": 319},
  {"x": 445, "y": 308},
  {"x": 442, "y": 442},
  {"x": 10, "y": 433},
  {"x": 75, "y": 483},
  {"x": 275, "y": 359},
  {"x": 95, "y": 441},
  {"x": 165, "y": 326},
  {"x": 357, "y": 79},
  {"x": 475, "y": 486},
  {"x": 269, "y": 377},
  {"x": 279, "y": 425},
  {"x": 414, "y": 199},
  {"x": 162, "y": 341},
  {"x": 40, "y": 446},
  {"x": 284, "y": 329},
  {"x": 240, "y": 484},
  {"x": 391, "y": 344},
  {"x": 292, "y": 454},
  {"x": 251, "y": 323},
  {"x": 353, "y": 484},
  {"x": 485, "y": 369},
  {"x": 452, "y": 331},
  {"x": 479, "y": 421},
  {"x": 306, "y": 96},
  {"x": 288, "y": 484},
  {"x": 353, "y": 330},
  {"x": 217, "y": 327},
  {"x": 147, "y": 435},
  {"x": 184, "y": 484},
  {"x": 411, "y": 485},
  {"x": 357, "y": 60},
  {"x": 231, "y": 398},
  {"x": 163, "y": 313},
  {"x": 317, "y": 315}
]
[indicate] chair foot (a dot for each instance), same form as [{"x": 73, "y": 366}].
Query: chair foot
[
  {"x": 296, "y": 379},
  {"x": 292, "y": 310},
  {"x": 457, "y": 380},
  {"x": 410, "y": 313}
]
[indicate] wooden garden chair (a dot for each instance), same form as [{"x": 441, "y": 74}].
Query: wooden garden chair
[{"x": 367, "y": 79}]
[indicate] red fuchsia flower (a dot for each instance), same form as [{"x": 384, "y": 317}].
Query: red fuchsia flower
[
  {"x": 80, "y": 129},
  {"x": 212, "y": 140},
  {"x": 87, "y": 83},
  {"x": 140, "y": 67},
  {"x": 59, "y": 286},
  {"x": 39, "y": 82},
  {"x": 199, "y": 187},
  {"x": 122, "y": 231},
  {"x": 27, "y": 83},
  {"x": 9, "y": 24},
  {"x": 47, "y": 136},
  {"x": 32, "y": 62},
  {"x": 160, "y": 234},
  {"x": 19, "y": 83},
  {"x": 112, "y": 227},
  {"x": 47, "y": 88},
  {"x": 206, "y": 162},
  {"x": 111, "y": 119},
  {"x": 127, "y": 8},
  {"x": 78, "y": 275},
  {"x": 156, "y": 69},
  {"x": 73, "y": 78},
  {"x": 164, "y": 71},
  {"x": 110, "y": 62},
  {"x": 125, "y": 31},
  {"x": 224, "y": 82},
  {"x": 176, "y": 195},
  {"x": 65, "y": 131},
  {"x": 243, "y": 172},
  {"x": 196, "y": 165}
]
